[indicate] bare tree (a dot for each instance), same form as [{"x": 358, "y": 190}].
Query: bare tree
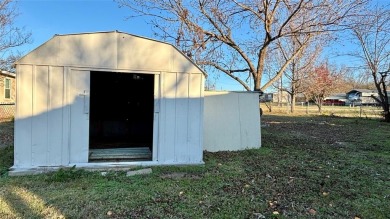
[
  {"x": 236, "y": 37},
  {"x": 356, "y": 79},
  {"x": 300, "y": 67},
  {"x": 372, "y": 35},
  {"x": 10, "y": 36}
]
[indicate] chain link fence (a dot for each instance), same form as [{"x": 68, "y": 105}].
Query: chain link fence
[
  {"x": 361, "y": 111},
  {"x": 7, "y": 111}
]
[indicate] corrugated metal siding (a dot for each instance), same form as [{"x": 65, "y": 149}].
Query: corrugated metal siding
[
  {"x": 181, "y": 127},
  {"x": 23, "y": 122},
  {"x": 39, "y": 123},
  {"x": 43, "y": 118}
]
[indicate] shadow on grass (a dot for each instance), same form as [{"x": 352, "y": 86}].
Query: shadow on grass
[{"x": 6, "y": 159}]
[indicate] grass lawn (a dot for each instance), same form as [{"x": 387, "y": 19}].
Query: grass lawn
[{"x": 308, "y": 167}]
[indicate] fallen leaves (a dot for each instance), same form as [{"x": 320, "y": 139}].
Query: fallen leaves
[{"x": 312, "y": 211}]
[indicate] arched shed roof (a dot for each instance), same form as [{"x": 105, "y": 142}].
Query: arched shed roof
[{"x": 110, "y": 50}]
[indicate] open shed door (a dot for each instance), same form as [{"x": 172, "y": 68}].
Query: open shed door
[{"x": 79, "y": 86}]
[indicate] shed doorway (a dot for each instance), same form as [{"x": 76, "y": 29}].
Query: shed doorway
[{"x": 121, "y": 117}]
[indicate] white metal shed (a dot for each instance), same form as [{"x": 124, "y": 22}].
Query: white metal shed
[{"x": 107, "y": 99}]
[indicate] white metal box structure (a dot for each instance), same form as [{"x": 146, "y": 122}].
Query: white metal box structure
[
  {"x": 80, "y": 93},
  {"x": 231, "y": 121}
]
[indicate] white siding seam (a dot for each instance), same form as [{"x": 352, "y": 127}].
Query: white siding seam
[
  {"x": 116, "y": 52},
  {"x": 32, "y": 111},
  {"x": 62, "y": 114},
  {"x": 68, "y": 71},
  {"x": 163, "y": 117},
  {"x": 239, "y": 118},
  {"x": 188, "y": 120},
  {"x": 201, "y": 126},
  {"x": 17, "y": 111},
  {"x": 174, "y": 123},
  {"x": 48, "y": 111}
]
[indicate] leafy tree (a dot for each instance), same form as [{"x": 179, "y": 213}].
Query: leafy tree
[
  {"x": 320, "y": 83},
  {"x": 237, "y": 37}
]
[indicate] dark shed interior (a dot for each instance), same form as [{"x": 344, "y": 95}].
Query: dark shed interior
[{"x": 121, "y": 112}]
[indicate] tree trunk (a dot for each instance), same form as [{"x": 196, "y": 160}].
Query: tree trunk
[
  {"x": 319, "y": 109},
  {"x": 386, "y": 112},
  {"x": 292, "y": 107}
]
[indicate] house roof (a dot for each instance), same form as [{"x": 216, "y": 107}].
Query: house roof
[
  {"x": 110, "y": 50},
  {"x": 362, "y": 91},
  {"x": 8, "y": 74},
  {"x": 337, "y": 96}
]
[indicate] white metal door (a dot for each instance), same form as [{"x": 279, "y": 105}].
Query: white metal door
[{"x": 79, "y": 116}]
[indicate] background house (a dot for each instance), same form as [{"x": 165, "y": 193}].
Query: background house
[
  {"x": 7, "y": 95},
  {"x": 7, "y": 87},
  {"x": 362, "y": 97}
]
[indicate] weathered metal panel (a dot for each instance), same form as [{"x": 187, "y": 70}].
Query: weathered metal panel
[
  {"x": 231, "y": 121},
  {"x": 23, "y": 117}
]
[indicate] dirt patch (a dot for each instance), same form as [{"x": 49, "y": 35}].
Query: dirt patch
[{"x": 6, "y": 134}]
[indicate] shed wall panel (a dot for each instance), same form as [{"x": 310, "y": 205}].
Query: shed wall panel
[
  {"x": 168, "y": 113},
  {"x": 79, "y": 85},
  {"x": 55, "y": 117},
  {"x": 195, "y": 113},
  {"x": 181, "y": 127},
  {"x": 97, "y": 50},
  {"x": 40, "y": 116},
  {"x": 47, "y": 54},
  {"x": 110, "y": 50},
  {"x": 250, "y": 131},
  {"x": 181, "y": 63},
  {"x": 23, "y": 118},
  {"x": 143, "y": 54},
  {"x": 221, "y": 120},
  {"x": 231, "y": 121}
]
